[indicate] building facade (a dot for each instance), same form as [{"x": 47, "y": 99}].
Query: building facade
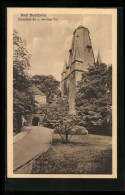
[
  {"x": 80, "y": 57},
  {"x": 39, "y": 96},
  {"x": 35, "y": 119}
]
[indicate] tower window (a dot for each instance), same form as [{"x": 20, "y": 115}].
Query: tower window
[{"x": 88, "y": 48}]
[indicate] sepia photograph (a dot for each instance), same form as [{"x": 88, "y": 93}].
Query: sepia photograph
[{"x": 61, "y": 93}]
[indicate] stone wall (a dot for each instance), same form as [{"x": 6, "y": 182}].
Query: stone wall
[{"x": 69, "y": 88}]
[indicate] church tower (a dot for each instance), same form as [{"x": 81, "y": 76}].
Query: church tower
[
  {"x": 99, "y": 60},
  {"x": 80, "y": 56}
]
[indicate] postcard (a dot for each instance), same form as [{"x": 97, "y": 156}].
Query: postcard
[{"x": 61, "y": 93}]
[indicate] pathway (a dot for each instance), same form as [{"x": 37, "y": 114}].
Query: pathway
[{"x": 30, "y": 144}]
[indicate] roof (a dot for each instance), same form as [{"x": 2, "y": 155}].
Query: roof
[
  {"x": 81, "y": 26},
  {"x": 65, "y": 65},
  {"x": 36, "y": 91},
  {"x": 99, "y": 60}
]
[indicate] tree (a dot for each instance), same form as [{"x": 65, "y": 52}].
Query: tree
[
  {"x": 65, "y": 127},
  {"x": 56, "y": 116},
  {"x": 54, "y": 112},
  {"x": 48, "y": 85},
  {"x": 109, "y": 97},
  {"x": 94, "y": 99},
  {"x": 23, "y": 100}
]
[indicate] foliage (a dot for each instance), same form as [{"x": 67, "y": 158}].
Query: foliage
[
  {"x": 94, "y": 97},
  {"x": 79, "y": 130},
  {"x": 65, "y": 128},
  {"x": 23, "y": 101},
  {"x": 56, "y": 116},
  {"x": 48, "y": 85},
  {"x": 54, "y": 112}
]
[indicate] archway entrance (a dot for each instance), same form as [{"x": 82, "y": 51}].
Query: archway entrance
[{"x": 35, "y": 121}]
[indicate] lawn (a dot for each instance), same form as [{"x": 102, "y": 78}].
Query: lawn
[{"x": 85, "y": 154}]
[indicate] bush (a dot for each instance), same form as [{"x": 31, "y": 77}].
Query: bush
[
  {"x": 103, "y": 130},
  {"x": 79, "y": 130}
]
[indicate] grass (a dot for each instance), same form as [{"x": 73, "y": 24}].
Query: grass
[{"x": 85, "y": 154}]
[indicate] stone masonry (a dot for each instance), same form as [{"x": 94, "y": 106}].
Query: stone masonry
[{"x": 80, "y": 56}]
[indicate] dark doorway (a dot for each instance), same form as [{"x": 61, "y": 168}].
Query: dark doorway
[{"x": 35, "y": 121}]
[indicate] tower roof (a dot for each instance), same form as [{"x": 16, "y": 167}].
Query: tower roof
[
  {"x": 65, "y": 65},
  {"x": 81, "y": 26},
  {"x": 81, "y": 51},
  {"x": 99, "y": 60}
]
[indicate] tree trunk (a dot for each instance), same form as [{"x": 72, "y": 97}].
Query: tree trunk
[{"x": 67, "y": 138}]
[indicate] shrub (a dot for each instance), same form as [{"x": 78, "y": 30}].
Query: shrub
[
  {"x": 76, "y": 130},
  {"x": 79, "y": 130}
]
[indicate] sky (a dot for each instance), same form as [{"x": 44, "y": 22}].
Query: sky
[{"x": 49, "y": 42}]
